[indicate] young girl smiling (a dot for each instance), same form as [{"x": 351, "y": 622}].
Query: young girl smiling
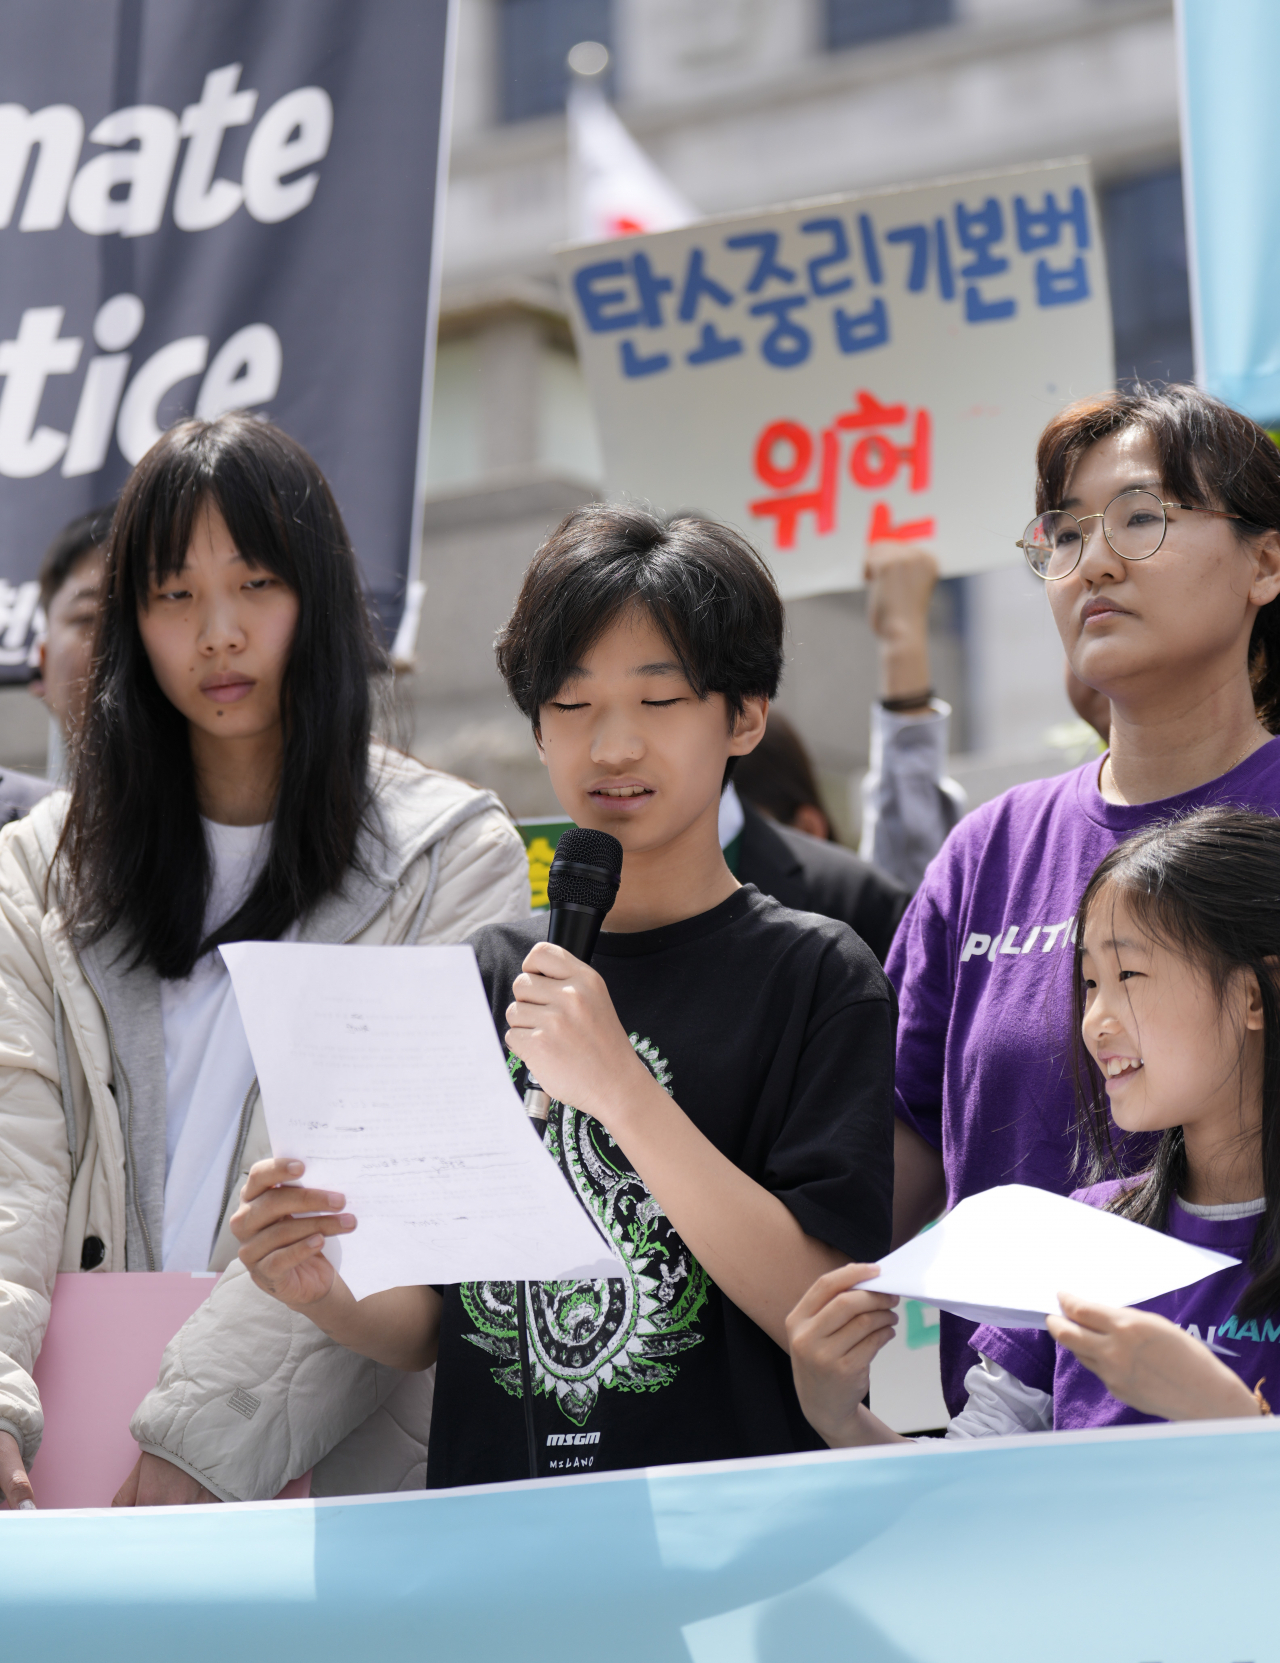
[{"x": 1179, "y": 1013}]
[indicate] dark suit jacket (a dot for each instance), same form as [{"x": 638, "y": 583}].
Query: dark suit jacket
[
  {"x": 811, "y": 876},
  {"x": 19, "y": 794}
]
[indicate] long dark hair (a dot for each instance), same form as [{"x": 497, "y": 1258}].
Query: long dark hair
[
  {"x": 133, "y": 845},
  {"x": 1210, "y": 455},
  {"x": 1208, "y": 887}
]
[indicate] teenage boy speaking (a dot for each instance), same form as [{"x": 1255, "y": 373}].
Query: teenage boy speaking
[{"x": 722, "y": 1073}]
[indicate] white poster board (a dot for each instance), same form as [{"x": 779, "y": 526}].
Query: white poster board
[{"x": 863, "y": 367}]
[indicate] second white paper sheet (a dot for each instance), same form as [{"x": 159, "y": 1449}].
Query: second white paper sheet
[
  {"x": 380, "y": 1068},
  {"x": 1004, "y": 1256}
]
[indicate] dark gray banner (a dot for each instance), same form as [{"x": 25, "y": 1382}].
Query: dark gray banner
[{"x": 206, "y": 207}]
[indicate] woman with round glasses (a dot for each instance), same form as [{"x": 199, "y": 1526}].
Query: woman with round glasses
[{"x": 1158, "y": 537}]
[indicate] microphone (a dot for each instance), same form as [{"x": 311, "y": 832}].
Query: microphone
[{"x": 581, "y": 886}]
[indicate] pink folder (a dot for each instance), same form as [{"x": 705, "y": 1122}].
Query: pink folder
[{"x": 100, "y": 1357}]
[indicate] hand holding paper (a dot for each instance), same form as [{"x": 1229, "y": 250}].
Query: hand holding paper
[
  {"x": 833, "y": 1335},
  {"x": 1151, "y": 1364},
  {"x": 1004, "y": 1256},
  {"x": 281, "y": 1226},
  {"x": 380, "y": 1068}
]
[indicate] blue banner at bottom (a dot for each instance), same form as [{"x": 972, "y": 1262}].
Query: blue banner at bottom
[{"x": 1155, "y": 1545}]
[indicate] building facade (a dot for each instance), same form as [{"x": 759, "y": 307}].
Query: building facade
[{"x": 744, "y": 103}]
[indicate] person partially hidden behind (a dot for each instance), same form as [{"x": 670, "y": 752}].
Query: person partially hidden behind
[
  {"x": 71, "y": 579},
  {"x": 722, "y": 1073},
  {"x": 786, "y": 846},
  {"x": 909, "y": 803},
  {"x": 70, "y": 597}
]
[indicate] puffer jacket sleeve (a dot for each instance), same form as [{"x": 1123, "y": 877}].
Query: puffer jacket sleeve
[
  {"x": 247, "y": 1417},
  {"x": 482, "y": 878},
  {"x": 251, "y": 1395},
  {"x": 35, "y": 1159}
]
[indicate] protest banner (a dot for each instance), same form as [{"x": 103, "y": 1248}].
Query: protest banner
[
  {"x": 1229, "y": 60},
  {"x": 1129, "y": 1545},
  {"x": 840, "y": 372},
  {"x": 206, "y": 208}
]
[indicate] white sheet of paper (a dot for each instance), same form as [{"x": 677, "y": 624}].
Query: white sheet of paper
[
  {"x": 1004, "y": 1256},
  {"x": 380, "y": 1068}
]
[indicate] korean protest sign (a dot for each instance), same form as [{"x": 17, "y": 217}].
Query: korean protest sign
[
  {"x": 840, "y": 372},
  {"x": 205, "y": 208}
]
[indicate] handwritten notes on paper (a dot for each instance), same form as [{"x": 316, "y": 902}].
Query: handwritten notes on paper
[{"x": 380, "y": 1068}]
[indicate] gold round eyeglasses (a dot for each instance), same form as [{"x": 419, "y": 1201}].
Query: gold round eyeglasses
[{"x": 1133, "y": 523}]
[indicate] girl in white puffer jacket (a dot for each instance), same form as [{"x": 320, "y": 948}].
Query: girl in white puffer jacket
[{"x": 225, "y": 788}]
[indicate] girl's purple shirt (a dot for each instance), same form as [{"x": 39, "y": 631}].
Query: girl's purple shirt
[
  {"x": 1207, "y": 1309},
  {"x": 983, "y": 964}
]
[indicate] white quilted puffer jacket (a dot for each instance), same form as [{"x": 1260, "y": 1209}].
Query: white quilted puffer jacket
[{"x": 249, "y": 1395}]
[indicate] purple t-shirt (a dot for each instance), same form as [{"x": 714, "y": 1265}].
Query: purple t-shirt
[
  {"x": 1207, "y": 1309},
  {"x": 982, "y": 962}
]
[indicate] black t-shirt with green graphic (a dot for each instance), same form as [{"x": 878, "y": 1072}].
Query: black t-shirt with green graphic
[{"x": 774, "y": 1032}]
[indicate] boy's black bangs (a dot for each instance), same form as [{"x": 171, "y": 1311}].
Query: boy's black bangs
[
  {"x": 657, "y": 607},
  {"x": 701, "y": 585},
  {"x": 664, "y": 615},
  {"x": 563, "y": 653}
]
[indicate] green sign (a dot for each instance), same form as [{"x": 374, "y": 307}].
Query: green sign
[{"x": 541, "y": 835}]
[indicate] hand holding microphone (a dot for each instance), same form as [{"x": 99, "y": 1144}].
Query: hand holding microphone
[{"x": 581, "y": 887}]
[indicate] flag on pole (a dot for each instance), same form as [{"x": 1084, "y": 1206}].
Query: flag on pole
[{"x": 614, "y": 188}]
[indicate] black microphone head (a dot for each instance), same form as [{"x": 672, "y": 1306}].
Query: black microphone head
[{"x": 586, "y": 870}]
